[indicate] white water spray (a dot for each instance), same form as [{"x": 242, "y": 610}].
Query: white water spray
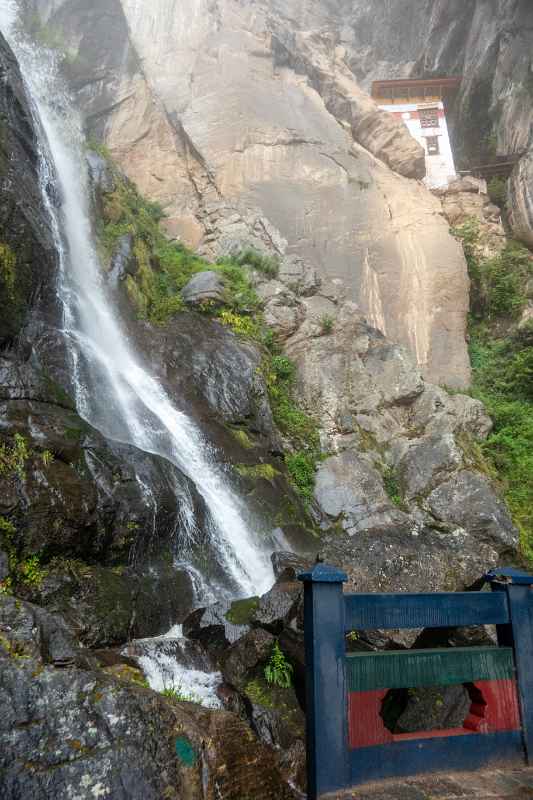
[{"x": 115, "y": 391}]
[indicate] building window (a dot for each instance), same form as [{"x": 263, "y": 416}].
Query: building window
[
  {"x": 433, "y": 145},
  {"x": 429, "y": 117}
]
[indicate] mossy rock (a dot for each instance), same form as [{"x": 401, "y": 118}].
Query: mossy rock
[
  {"x": 243, "y": 438},
  {"x": 258, "y": 472},
  {"x": 241, "y": 611},
  {"x": 277, "y": 707}
]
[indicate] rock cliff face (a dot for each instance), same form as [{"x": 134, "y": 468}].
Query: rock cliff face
[
  {"x": 489, "y": 43},
  {"x": 248, "y": 122},
  {"x": 245, "y": 121}
]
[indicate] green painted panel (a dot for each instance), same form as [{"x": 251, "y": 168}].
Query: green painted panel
[{"x": 404, "y": 669}]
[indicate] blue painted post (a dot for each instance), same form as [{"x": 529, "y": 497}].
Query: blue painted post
[
  {"x": 519, "y": 588},
  {"x": 326, "y": 703}
]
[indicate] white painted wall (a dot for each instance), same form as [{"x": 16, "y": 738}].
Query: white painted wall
[{"x": 440, "y": 169}]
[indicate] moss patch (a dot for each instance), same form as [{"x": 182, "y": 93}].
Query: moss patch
[
  {"x": 240, "y": 611},
  {"x": 242, "y": 438},
  {"x": 257, "y": 472},
  {"x": 8, "y": 264}
]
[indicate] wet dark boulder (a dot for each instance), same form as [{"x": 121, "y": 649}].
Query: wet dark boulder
[
  {"x": 28, "y": 631},
  {"x": 107, "y": 607},
  {"x": 220, "y": 625},
  {"x": 101, "y": 177},
  {"x": 123, "y": 260},
  {"x": 84, "y": 732},
  {"x": 217, "y": 373},
  {"x": 445, "y": 560},
  {"x": 275, "y": 715},
  {"x": 77, "y": 495},
  {"x": 27, "y": 253},
  {"x": 287, "y": 566},
  {"x": 426, "y": 709},
  {"x": 279, "y": 607},
  {"x": 242, "y": 658}
]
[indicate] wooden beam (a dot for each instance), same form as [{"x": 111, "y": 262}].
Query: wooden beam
[
  {"x": 405, "y": 669},
  {"x": 440, "y": 610}
]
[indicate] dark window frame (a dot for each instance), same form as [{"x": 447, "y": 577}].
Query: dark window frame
[{"x": 433, "y": 145}]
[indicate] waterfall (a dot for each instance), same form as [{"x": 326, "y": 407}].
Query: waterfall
[{"x": 115, "y": 391}]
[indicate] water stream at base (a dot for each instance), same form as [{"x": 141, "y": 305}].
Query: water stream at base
[{"x": 115, "y": 391}]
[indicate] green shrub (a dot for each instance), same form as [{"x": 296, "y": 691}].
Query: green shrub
[
  {"x": 326, "y": 324},
  {"x": 13, "y": 458},
  {"x": 502, "y": 380},
  {"x": 268, "y": 265},
  {"x": 392, "y": 487},
  {"x": 497, "y": 283},
  {"x": 302, "y": 470},
  {"x": 278, "y": 671},
  {"x": 497, "y": 189},
  {"x": 502, "y": 370},
  {"x": 177, "y": 693},
  {"x": 300, "y": 428}
]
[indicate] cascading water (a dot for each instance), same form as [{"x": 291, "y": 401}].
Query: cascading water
[{"x": 115, "y": 391}]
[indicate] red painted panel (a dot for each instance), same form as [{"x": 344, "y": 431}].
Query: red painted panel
[
  {"x": 494, "y": 708},
  {"x": 365, "y": 725},
  {"x": 500, "y": 702}
]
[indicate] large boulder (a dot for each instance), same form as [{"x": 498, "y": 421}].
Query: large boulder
[
  {"x": 204, "y": 287},
  {"x": 349, "y": 489},
  {"x": 212, "y": 372},
  {"x": 123, "y": 260},
  {"x": 107, "y": 606},
  {"x": 244, "y": 656},
  {"x": 414, "y": 559},
  {"x": 468, "y": 500},
  {"x": 27, "y": 631},
  {"x": 219, "y": 625},
  {"x": 426, "y": 462},
  {"x": 81, "y": 732}
]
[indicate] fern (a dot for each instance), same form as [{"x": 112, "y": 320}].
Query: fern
[{"x": 278, "y": 671}]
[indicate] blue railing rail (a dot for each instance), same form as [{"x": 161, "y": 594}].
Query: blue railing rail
[{"x": 333, "y": 761}]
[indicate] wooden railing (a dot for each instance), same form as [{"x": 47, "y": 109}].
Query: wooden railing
[{"x": 347, "y": 741}]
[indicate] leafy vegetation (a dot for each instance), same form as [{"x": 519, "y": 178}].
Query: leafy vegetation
[
  {"x": 8, "y": 263},
  {"x": 13, "y": 457},
  {"x": 256, "y": 472},
  {"x": 299, "y": 427},
  {"x": 177, "y": 693},
  {"x": 497, "y": 282},
  {"x": 278, "y": 671},
  {"x": 497, "y": 189},
  {"x": 505, "y": 387},
  {"x": 165, "y": 267},
  {"x": 268, "y": 265},
  {"x": 502, "y": 363},
  {"x": 24, "y": 571},
  {"x": 326, "y": 324},
  {"x": 392, "y": 487}
]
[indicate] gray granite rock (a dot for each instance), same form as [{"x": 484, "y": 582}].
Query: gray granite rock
[
  {"x": 204, "y": 287},
  {"x": 468, "y": 500},
  {"x": 427, "y": 461},
  {"x": 349, "y": 489}
]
